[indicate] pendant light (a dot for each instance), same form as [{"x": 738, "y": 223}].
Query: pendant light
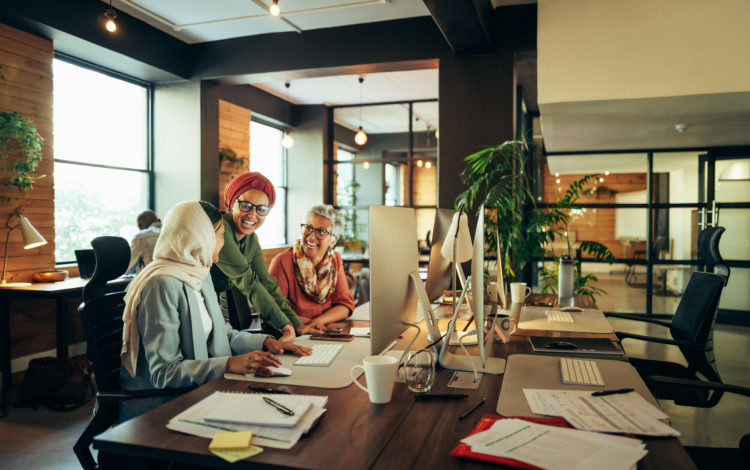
[
  {"x": 360, "y": 137},
  {"x": 110, "y": 14},
  {"x": 274, "y": 9},
  {"x": 287, "y": 142}
]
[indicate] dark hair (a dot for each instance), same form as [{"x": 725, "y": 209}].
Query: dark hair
[{"x": 212, "y": 212}]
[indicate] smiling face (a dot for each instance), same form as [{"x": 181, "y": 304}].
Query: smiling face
[
  {"x": 219, "y": 243},
  {"x": 311, "y": 246},
  {"x": 245, "y": 223}
]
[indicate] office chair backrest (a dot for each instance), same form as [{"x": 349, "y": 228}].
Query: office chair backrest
[
  {"x": 693, "y": 322},
  {"x": 708, "y": 251},
  {"x": 101, "y": 318},
  {"x": 112, "y": 258},
  {"x": 238, "y": 309}
]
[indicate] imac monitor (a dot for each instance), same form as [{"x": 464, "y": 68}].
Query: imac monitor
[
  {"x": 394, "y": 257},
  {"x": 439, "y": 269}
]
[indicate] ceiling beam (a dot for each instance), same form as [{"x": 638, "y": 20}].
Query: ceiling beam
[{"x": 465, "y": 24}]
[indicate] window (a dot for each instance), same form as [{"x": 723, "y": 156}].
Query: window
[
  {"x": 268, "y": 157},
  {"x": 102, "y": 169}
]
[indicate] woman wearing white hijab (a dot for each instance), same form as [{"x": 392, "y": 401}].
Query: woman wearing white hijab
[{"x": 174, "y": 334}]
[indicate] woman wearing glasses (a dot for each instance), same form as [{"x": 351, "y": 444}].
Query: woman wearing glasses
[
  {"x": 249, "y": 198},
  {"x": 311, "y": 275}
]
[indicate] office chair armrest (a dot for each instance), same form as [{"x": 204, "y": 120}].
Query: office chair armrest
[
  {"x": 637, "y": 318},
  {"x": 653, "y": 339},
  {"x": 661, "y": 380},
  {"x": 119, "y": 395}
]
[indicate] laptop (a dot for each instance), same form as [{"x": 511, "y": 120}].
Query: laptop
[{"x": 86, "y": 263}]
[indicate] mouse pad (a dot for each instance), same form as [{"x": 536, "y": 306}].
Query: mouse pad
[
  {"x": 591, "y": 320},
  {"x": 587, "y": 346},
  {"x": 337, "y": 375},
  {"x": 536, "y": 371}
]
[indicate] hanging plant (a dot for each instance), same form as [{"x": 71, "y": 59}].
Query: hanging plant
[
  {"x": 20, "y": 138},
  {"x": 226, "y": 154}
]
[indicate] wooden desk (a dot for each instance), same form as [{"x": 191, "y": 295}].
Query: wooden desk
[
  {"x": 353, "y": 433},
  {"x": 61, "y": 292}
]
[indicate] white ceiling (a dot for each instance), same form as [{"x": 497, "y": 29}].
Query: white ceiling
[
  {"x": 620, "y": 163},
  {"x": 194, "y": 21}
]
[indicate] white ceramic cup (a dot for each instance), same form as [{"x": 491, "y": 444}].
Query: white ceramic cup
[
  {"x": 380, "y": 372},
  {"x": 504, "y": 327},
  {"x": 519, "y": 292}
]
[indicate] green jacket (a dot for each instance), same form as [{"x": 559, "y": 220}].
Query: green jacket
[{"x": 242, "y": 264}]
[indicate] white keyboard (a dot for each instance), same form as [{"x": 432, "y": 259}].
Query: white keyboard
[
  {"x": 558, "y": 316},
  {"x": 322, "y": 355},
  {"x": 580, "y": 372}
]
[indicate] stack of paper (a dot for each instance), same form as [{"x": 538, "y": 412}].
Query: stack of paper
[
  {"x": 618, "y": 413},
  {"x": 274, "y": 429},
  {"x": 553, "y": 448}
]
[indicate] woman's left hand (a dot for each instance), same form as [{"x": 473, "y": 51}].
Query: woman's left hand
[{"x": 278, "y": 347}]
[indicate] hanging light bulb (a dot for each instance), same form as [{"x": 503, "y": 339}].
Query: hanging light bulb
[
  {"x": 428, "y": 164},
  {"x": 606, "y": 173},
  {"x": 420, "y": 163},
  {"x": 274, "y": 9},
  {"x": 110, "y": 14},
  {"x": 287, "y": 142},
  {"x": 366, "y": 165},
  {"x": 360, "y": 137}
]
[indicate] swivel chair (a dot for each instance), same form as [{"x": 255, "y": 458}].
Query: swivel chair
[{"x": 101, "y": 316}]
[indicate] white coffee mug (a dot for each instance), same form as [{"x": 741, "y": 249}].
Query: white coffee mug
[
  {"x": 519, "y": 292},
  {"x": 379, "y": 373},
  {"x": 504, "y": 327}
]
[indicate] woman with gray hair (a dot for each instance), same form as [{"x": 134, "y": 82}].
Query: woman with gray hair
[{"x": 311, "y": 275}]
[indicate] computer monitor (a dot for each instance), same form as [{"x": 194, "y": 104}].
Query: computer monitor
[
  {"x": 394, "y": 259},
  {"x": 439, "y": 270}
]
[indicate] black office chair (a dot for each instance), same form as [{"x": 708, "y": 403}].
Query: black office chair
[
  {"x": 101, "y": 316},
  {"x": 691, "y": 329},
  {"x": 238, "y": 309}
]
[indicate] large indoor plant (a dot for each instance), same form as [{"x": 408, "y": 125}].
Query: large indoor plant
[
  {"x": 20, "y": 153},
  {"x": 496, "y": 177}
]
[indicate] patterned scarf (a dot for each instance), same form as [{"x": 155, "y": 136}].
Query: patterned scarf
[{"x": 318, "y": 282}]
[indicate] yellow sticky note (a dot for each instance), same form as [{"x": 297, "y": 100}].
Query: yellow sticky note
[
  {"x": 232, "y": 456},
  {"x": 231, "y": 441}
]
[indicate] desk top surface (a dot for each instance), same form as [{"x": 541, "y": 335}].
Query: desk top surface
[
  {"x": 354, "y": 433},
  {"x": 70, "y": 284}
]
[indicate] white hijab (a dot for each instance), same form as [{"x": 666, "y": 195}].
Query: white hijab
[{"x": 184, "y": 250}]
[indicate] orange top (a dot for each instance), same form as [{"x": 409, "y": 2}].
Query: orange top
[{"x": 282, "y": 267}]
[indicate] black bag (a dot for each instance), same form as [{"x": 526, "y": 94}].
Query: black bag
[{"x": 59, "y": 384}]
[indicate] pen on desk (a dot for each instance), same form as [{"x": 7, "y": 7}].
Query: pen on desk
[
  {"x": 604, "y": 393},
  {"x": 279, "y": 406},
  {"x": 473, "y": 407},
  {"x": 257, "y": 388},
  {"x": 441, "y": 396}
]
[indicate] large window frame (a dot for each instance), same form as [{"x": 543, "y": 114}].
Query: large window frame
[
  {"x": 284, "y": 185},
  {"x": 149, "y": 122}
]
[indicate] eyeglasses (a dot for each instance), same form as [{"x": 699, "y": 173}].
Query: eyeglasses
[
  {"x": 246, "y": 206},
  {"x": 320, "y": 233}
]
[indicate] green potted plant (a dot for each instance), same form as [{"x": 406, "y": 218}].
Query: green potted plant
[
  {"x": 229, "y": 156},
  {"x": 20, "y": 153},
  {"x": 495, "y": 177}
]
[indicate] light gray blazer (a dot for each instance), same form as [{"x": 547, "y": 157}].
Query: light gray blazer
[{"x": 174, "y": 351}]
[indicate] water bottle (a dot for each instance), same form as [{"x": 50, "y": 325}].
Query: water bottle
[{"x": 565, "y": 281}]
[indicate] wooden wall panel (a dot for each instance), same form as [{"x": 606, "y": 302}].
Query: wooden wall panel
[
  {"x": 234, "y": 133},
  {"x": 597, "y": 224},
  {"x": 26, "y": 86}
]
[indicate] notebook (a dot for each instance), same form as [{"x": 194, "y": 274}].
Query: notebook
[
  {"x": 575, "y": 345},
  {"x": 244, "y": 408}
]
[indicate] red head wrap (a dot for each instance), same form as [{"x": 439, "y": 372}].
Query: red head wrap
[{"x": 246, "y": 182}]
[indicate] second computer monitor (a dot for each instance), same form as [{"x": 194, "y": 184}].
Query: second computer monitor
[
  {"x": 394, "y": 255},
  {"x": 439, "y": 270}
]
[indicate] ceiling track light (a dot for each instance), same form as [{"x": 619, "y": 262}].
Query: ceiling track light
[
  {"x": 274, "y": 9},
  {"x": 288, "y": 142},
  {"x": 360, "y": 137},
  {"x": 110, "y": 13}
]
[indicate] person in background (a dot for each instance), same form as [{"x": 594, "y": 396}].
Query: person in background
[
  {"x": 174, "y": 334},
  {"x": 142, "y": 246},
  {"x": 249, "y": 198},
  {"x": 311, "y": 275}
]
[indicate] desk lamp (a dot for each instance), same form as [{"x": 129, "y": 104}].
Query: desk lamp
[{"x": 31, "y": 239}]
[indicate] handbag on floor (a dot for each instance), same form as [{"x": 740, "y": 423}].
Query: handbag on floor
[{"x": 59, "y": 384}]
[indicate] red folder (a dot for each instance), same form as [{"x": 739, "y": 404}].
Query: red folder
[{"x": 463, "y": 450}]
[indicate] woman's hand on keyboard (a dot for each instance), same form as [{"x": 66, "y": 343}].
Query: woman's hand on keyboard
[
  {"x": 256, "y": 362},
  {"x": 280, "y": 347}
]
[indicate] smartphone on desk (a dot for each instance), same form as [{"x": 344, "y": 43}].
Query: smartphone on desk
[{"x": 332, "y": 337}]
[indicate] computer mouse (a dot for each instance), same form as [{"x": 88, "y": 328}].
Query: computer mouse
[
  {"x": 280, "y": 371},
  {"x": 561, "y": 345},
  {"x": 571, "y": 309}
]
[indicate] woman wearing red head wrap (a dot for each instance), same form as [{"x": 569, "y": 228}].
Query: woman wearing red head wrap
[{"x": 249, "y": 198}]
